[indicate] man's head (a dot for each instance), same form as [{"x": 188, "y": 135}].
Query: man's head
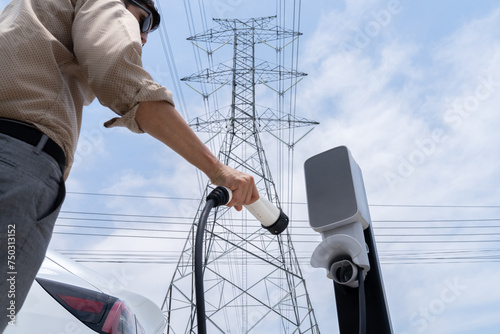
[{"x": 146, "y": 14}]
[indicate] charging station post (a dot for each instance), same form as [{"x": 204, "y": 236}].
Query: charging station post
[{"x": 338, "y": 209}]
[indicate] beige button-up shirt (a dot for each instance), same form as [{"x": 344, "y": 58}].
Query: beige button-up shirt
[{"x": 58, "y": 55}]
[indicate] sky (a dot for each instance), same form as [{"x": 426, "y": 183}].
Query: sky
[{"x": 410, "y": 87}]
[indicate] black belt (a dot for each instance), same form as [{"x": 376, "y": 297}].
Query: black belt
[{"x": 32, "y": 136}]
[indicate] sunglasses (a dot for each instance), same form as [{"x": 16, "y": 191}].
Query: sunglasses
[{"x": 146, "y": 25}]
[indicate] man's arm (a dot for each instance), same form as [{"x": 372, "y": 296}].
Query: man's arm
[
  {"x": 108, "y": 47},
  {"x": 162, "y": 121}
]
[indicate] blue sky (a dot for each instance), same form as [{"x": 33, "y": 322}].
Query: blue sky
[{"x": 411, "y": 87}]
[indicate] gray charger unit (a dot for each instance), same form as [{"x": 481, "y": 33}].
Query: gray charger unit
[{"x": 338, "y": 209}]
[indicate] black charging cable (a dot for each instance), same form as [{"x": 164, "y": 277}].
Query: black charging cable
[
  {"x": 344, "y": 274},
  {"x": 218, "y": 196},
  {"x": 361, "y": 301}
]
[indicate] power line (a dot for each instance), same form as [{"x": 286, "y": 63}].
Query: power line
[
  {"x": 133, "y": 196},
  {"x": 436, "y": 206},
  {"x": 170, "y": 257},
  {"x": 294, "y": 221},
  {"x": 169, "y": 237},
  {"x": 436, "y": 220},
  {"x": 293, "y": 203},
  {"x": 121, "y": 236},
  {"x": 311, "y": 234},
  {"x": 169, "y": 56}
]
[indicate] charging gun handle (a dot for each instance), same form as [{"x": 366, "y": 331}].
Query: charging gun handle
[{"x": 271, "y": 218}]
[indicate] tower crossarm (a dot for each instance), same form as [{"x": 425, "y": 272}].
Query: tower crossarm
[
  {"x": 264, "y": 72},
  {"x": 258, "y": 28},
  {"x": 267, "y": 122}
]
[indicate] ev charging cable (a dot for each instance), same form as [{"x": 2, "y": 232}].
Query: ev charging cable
[
  {"x": 347, "y": 274},
  {"x": 361, "y": 301},
  {"x": 271, "y": 218}
]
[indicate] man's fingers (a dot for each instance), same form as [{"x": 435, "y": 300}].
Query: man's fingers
[
  {"x": 241, "y": 184},
  {"x": 244, "y": 196},
  {"x": 254, "y": 194}
]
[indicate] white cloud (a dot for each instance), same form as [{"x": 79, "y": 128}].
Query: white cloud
[
  {"x": 473, "y": 48},
  {"x": 388, "y": 106}
]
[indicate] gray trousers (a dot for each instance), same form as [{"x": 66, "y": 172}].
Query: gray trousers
[{"x": 31, "y": 193}]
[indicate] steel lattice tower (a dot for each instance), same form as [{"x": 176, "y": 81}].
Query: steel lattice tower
[{"x": 253, "y": 283}]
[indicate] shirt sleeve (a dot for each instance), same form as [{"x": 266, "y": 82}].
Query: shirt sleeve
[{"x": 107, "y": 45}]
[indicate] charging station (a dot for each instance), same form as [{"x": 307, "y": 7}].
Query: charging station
[{"x": 338, "y": 209}]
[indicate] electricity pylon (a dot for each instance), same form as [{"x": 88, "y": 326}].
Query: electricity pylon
[{"x": 253, "y": 282}]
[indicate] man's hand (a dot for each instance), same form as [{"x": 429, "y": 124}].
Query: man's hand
[
  {"x": 162, "y": 121},
  {"x": 242, "y": 185}
]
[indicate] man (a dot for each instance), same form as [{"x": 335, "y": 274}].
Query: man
[{"x": 57, "y": 56}]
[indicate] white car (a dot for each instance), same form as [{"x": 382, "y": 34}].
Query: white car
[{"x": 69, "y": 298}]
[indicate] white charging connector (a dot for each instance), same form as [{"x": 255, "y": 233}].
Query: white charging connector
[{"x": 271, "y": 218}]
